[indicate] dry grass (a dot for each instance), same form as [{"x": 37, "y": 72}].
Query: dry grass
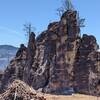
[{"x": 73, "y": 97}]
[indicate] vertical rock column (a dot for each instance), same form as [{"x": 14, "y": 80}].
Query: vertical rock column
[
  {"x": 86, "y": 65},
  {"x": 30, "y": 58},
  {"x": 61, "y": 71}
]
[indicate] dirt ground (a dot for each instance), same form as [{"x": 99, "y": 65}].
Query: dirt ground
[{"x": 73, "y": 97}]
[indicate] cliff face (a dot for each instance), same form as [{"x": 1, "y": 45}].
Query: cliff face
[
  {"x": 66, "y": 45},
  {"x": 59, "y": 60}
]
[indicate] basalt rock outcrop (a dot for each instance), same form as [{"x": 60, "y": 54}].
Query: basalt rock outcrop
[{"x": 59, "y": 60}]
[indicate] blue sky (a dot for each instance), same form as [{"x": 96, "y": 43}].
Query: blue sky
[{"x": 15, "y": 13}]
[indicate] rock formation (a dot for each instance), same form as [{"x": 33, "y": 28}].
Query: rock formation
[
  {"x": 66, "y": 45},
  {"x": 59, "y": 60},
  {"x": 86, "y": 67}
]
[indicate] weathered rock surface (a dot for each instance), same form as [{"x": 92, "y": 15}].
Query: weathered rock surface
[
  {"x": 62, "y": 59},
  {"x": 1, "y": 75},
  {"x": 30, "y": 58},
  {"x": 86, "y": 66},
  {"x": 59, "y": 60}
]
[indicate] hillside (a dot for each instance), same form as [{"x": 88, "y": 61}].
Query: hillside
[{"x": 7, "y": 52}]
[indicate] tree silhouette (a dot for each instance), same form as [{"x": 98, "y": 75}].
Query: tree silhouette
[
  {"x": 66, "y": 5},
  {"x": 28, "y": 28}
]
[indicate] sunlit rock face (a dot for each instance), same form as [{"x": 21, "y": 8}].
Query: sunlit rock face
[
  {"x": 66, "y": 45},
  {"x": 59, "y": 60}
]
